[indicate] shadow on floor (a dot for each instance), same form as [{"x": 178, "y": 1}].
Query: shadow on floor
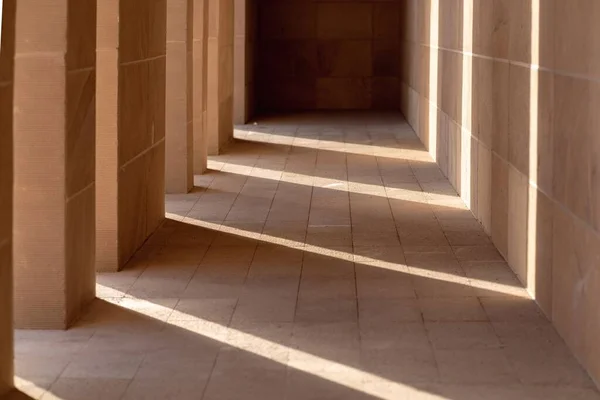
[
  {"x": 258, "y": 287},
  {"x": 16, "y": 395}
]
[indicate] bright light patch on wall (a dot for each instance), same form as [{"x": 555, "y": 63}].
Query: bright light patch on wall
[
  {"x": 434, "y": 27},
  {"x": 1, "y": 8},
  {"x": 466, "y": 167},
  {"x": 533, "y": 148}
]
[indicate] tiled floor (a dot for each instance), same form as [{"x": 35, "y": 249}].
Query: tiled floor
[{"x": 323, "y": 257}]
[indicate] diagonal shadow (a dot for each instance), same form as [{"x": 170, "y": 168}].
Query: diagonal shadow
[
  {"x": 397, "y": 168},
  {"x": 138, "y": 355},
  {"x": 16, "y": 395},
  {"x": 344, "y": 313}
]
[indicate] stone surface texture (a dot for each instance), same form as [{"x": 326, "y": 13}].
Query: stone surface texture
[
  {"x": 6, "y": 191},
  {"x": 504, "y": 95},
  {"x": 200, "y": 83},
  {"x": 179, "y": 142},
  {"x": 219, "y": 109},
  {"x": 54, "y": 161},
  {"x": 328, "y": 55},
  {"x": 320, "y": 258},
  {"x": 245, "y": 59},
  {"x": 131, "y": 126}
]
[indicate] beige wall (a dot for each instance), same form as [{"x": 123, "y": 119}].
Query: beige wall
[
  {"x": 6, "y": 181},
  {"x": 54, "y": 158},
  {"x": 328, "y": 55},
  {"x": 220, "y": 75},
  {"x": 519, "y": 143},
  {"x": 179, "y": 139},
  {"x": 131, "y": 136}
]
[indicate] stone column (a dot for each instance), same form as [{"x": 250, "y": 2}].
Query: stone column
[
  {"x": 199, "y": 83},
  {"x": 6, "y": 181},
  {"x": 220, "y": 75},
  {"x": 239, "y": 56},
  {"x": 179, "y": 105},
  {"x": 54, "y": 161},
  {"x": 131, "y": 126}
]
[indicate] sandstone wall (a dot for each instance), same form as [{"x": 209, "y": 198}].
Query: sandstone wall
[
  {"x": 328, "y": 55},
  {"x": 6, "y": 188},
  {"x": 131, "y": 126},
  {"x": 505, "y": 94},
  {"x": 54, "y": 161}
]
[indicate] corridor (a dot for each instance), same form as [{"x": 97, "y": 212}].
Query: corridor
[{"x": 321, "y": 257}]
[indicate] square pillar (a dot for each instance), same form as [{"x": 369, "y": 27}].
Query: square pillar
[
  {"x": 6, "y": 191},
  {"x": 244, "y": 59},
  {"x": 239, "y": 65},
  {"x": 131, "y": 127},
  {"x": 199, "y": 83},
  {"x": 179, "y": 105},
  {"x": 54, "y": 161},
  {"x": 220, "y": 75}
]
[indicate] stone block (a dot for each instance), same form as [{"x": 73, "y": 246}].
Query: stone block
[
  {"x": 344, "y": 93},
  {"x": 356, "y": 24},
  {"x": 345, "y": 59}
]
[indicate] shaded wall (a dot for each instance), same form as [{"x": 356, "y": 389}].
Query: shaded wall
[
  {"x": 519, "y": 143},
  {"x": 54, "y": 161},
  {"x": 244, "y": 54},
  {"x": 219, "y": 108},
  {"x": 179, "y": 140},
  {"x": 142, "y": 64},
  {"x": 6, "y": 190},
  {"x": 131, "y": 126},
  {"x": 327, "y": 55}
]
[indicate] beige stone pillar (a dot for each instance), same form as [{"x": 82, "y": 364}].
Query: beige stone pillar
[
  {"x": 54, "y": 161},
  {"x": 199, "y": 83},
  {"x": 6, "y": 181},
  {"x": 239, "y": 64},
  {"x": 244, "y": 59},
  {"x": 131, "y": 126},
  {"x": 220, "y": 75},
  {"x": 179, "y": 105}
]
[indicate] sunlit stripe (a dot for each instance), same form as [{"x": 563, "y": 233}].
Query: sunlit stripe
[
  {"x": 332, "y": 371},
  {"x": 343, "y": 255},
  {"x": 366, "y": 189},
  {"x": 398, "y": 153}
]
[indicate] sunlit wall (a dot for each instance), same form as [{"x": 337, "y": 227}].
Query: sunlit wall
[{"x": 505, "y": 94}]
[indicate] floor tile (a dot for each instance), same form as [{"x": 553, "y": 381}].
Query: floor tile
[{"x": 323, "y": 256}]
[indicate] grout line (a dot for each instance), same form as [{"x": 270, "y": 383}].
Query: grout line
[
  {"x": 74, "y": 195},
  {"x": 515, "y": 62},
  {"x": 127, "y": 63},
  {"x": 555, "y": 202},
  {"x": 142, "y": 153},
  {"x": 353, "y": 245}
]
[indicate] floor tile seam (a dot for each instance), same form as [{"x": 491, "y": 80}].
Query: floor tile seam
[
  {"x": 58, "y": 376},
  {"x": 390, "y": 206},
  {"x": 310, "y": 206},
  {"x": 237, "y": 195},
  {"x": 353, "y": 247},
  {"x": 275, "y": 192},
  {"x": 146, "y": 266},
  {"x": 134, "y": 375},
  {"x": 413, "y": 278},
  {"x": 196, "y": 202}
]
